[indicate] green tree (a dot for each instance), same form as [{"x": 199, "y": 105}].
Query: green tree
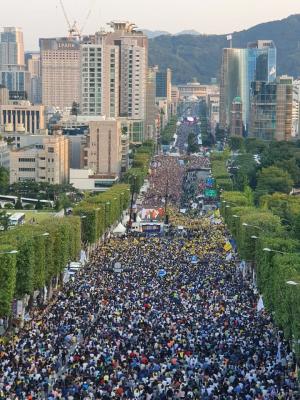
[
  {"x": 19, "y": 205},
  {"x": 4, "y": 220},
  {"x": 273, "y": 179},
  {"x": 4, "y": 180},
  {"x": 236, "y": 143},
  {"x": 7, "y": 280}
]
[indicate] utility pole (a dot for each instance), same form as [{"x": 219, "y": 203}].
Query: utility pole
[
  {"x": 129, "y": 225},
  {"x": 166, "y": 203}
]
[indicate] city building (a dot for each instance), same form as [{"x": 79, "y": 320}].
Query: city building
[
  {"x": 16, "y": 79},
  {"x": 33, "y": 66},
  {"x": 86, "y": 180},
  {"x": 236, "y": 121},
  {"x": 11, "y": 47},
  {"x": 192, "y": 89},
  {"x": 102, "y": 150},
  {"x": 4, "y": 154},
  {"x": 213, "y": 105},
  {"x": 133, "y": 50},
  {"x": 296, "y": 108},
  {"x": 60, "y": 70},
  {"x": 151, "y": 108},
  {"x": 241, "y": 67},
  {"x": 272, "y": 109},
  {"x": 46, "y": 162},
  {"x": 22, "y": 115},
  {"x": 19, "y": 138},
  {"x": 12, "y": 63},
  {"x": 4, "y": 95},
  {"x": 100, "y": 70},
  {"x": 164, "y": 84}
]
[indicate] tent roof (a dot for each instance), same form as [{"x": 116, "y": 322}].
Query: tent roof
[{"x": 120, "y": 229}]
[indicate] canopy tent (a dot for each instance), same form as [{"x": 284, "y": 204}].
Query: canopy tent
[{"x": 119, "y": 230}]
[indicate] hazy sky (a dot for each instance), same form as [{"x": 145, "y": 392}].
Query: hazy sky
[{"x": 44, "y": 18}]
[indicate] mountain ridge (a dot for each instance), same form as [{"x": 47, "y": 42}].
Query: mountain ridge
[{"x": 200, "y": 55}]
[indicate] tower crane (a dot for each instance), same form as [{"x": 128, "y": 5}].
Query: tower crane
[{"x": 74, "y": 30}]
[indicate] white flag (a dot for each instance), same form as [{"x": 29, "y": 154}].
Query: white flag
[
  {"x": 260, "y": 304},
  {"x": 229, "y": 37},
  {"x": 229, "y": 257}
]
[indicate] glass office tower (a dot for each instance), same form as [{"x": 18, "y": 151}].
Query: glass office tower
[{"x": 241, "y": 67}]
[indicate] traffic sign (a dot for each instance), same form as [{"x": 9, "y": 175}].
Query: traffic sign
[
  {"x": 210, "y": 193},
  {"x": 194, "y": 259},
  {"x": 117, "y": 268},
  {"x": 162, "y": 273}
]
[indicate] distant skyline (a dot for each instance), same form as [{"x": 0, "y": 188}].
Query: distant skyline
[{"x": 44, "y": 18}]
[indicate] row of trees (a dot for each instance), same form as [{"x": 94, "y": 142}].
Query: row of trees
[
  {"x": 267, "y": 167},
  {"x": 219, "y": 170},
  {"x": 272, "y": 247},
  {"x": 136, "y": 175},
  {"x": 32, "y": 255},
  {"x": 98, "y": 213},
  {"x": 169, "y": 131}
]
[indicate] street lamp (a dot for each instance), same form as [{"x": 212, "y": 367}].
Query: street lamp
[
  {"x": 267, "y": 249},
  {"x": 251, "y": 226},
  {"x": 254, "y": 237},
  {"x": 292, "y": 283},
  {"x": 236, "y": 216},
  {"x": 10, "y": 252}
]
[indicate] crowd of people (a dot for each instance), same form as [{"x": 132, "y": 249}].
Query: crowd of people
[
  {"x": 191, "y": 333},
  {"x": 159, "y": 318},
  {"x": 165, "y": 181}
]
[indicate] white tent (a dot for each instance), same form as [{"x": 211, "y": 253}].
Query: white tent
[{"x": 119, "y": 230}]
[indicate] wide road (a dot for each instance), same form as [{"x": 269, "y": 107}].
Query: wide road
[{"x": 178, "y": 322}]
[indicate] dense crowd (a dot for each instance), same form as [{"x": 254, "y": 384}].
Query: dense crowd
[
  {"x": 175, "y": 320},
  {"x": 193, "y": 334},
  {"x": 166, "y": 178}
]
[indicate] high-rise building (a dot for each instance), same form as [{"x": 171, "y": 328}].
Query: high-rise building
[
  {"x": 100, "y": 71},
  {"x": 11, "y": 47},
  {"x": 272, "y": 109},
  {"x": 60, "y": 70},
  {"x": 151, "y": 108},
  {"x": 241, "y": 67},
  {"x": 46, "y": 162},
  {"x": 33, "y": 66},
  {"x": 296, "y": 108},
  {"x": 164, "y": 84},
  {"x": 133, "y": 50},
  {"x": 236, "y": 122},
  {"x": 12, "y": 65}
]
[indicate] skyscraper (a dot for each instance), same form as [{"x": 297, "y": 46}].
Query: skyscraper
[
  {"x": 133, "y": 68},
  {"x": 272, "y": 109},
  {"x": 12, "y": 65},
  {"x": 60, "y": 70},
  {"x": 33, "y": 66},
  {"x": 164, "y": 84},
  {"x": 241, "y": 67},
  {"x": 99, "y": 78},
  {"x": 11, "y": 47}
]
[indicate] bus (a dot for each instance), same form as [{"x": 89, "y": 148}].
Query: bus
[{"x": 17, "y": 219}]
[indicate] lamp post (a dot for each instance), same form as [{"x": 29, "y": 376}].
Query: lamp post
[
  {"x": 9, "y": 252},
  {"x": 295, "y": 342},
  {"x": 131, "y": 204},
  {"x": 268, "y": 250},
  {"x": 166, "y": 203},
  {"x": 252, "y": 226}
]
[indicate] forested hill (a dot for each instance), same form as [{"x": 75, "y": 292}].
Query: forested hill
[{"x": 200, "y": 56}]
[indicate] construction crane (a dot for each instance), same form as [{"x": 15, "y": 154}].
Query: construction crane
[{"x": 74, "y": 30}]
